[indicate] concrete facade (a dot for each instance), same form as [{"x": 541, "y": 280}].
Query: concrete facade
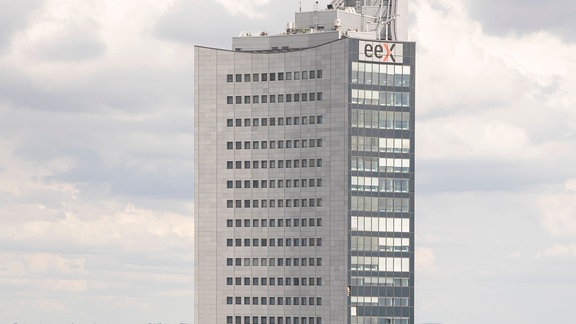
[{"x": 304, "y": 183}]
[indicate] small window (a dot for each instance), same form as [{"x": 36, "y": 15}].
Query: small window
[
  {"x": 229, "y": 165},
  {"x": 296, "y": 97},
  {"x": 246, "y": 77},
  {"x": 255, "y": 77},
  {"x": 272, "y": 98},
  {"x": 229, "y": 184},
  {"x": 304, "y": 97},
  {"x": 319, "y": 74},
  {"x": 264, "y": 98},
  {"x": 312, "y": 74},
  {"x": 304, "y": 74},
  {"x": 264, "y": 144},
  {"x": 280, "y": 76},
  {"x": 229, "y": 100},
  {"x": 247, "y": 122},
  {"x": 238, "y": 99},
  {"x": 264, "y": 122},
  {"x": 318, "y": 96},
  {"x": 319, "y": 118},
  {"x": 288, "y": 97},
  {"x": 247, "y": 145},
  {"x": 280, "y": 98},
  {"x": 238, "y": 122},
  {"x": 255, "y": 122},
  {"x": 229, "y": 78},
  {"x": 296, "y": 75},
  {"x": 229, "y": 122},
  {"x": 255, "y": 99},
  {"x": 280, "y": 121},
  {"x": 288, "y": 120},
  {"x": 264, "y": 76},
  {"x": 229, "y": 145},
  {"x": 288, "y": 75},
  {"x": 312, "y": 96},
  {"x": 238, "y": 164},
  {"x": 296, "y": 120},
  {"x": 272, "y": 121},
  {"x": 272, "y": 76},
  {"x": 246, "y": 99}
]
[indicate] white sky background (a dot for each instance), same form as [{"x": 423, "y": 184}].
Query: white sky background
[{"x": 96, "y": 151}]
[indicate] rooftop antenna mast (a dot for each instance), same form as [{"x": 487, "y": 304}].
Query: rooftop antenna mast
[{"x": 387, "y": 14}]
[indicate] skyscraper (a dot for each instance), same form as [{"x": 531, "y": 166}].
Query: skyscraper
[{"x": 304, "y": 171}]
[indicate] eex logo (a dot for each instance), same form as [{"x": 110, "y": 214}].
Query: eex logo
[{"x": 380, "y": 52}]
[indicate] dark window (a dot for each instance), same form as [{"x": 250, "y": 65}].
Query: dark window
[
  {"x": 229, "y": 100},
  {"x": 264, "y": 77},
  {"x": 238, "y": 77},
  {"x": 229, "y": 78}
]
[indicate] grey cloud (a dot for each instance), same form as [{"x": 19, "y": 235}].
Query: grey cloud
[
  {"x": 14, "y": 16},
  {"x": 525, "y": 16},
  {"x": 185, "y": 22},
  {"x": 76, "y": 42}
]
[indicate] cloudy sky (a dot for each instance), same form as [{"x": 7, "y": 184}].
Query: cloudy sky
[{"x": 96, "y": 151}]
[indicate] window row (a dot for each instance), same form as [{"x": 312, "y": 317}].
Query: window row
[
  {"x": 274, "y": 76},
  {"x": 273, "y": 262},
  {"x": 281, "y": 222},
  {"x": 376, "y": 164},
  {"x": 238, "y": 242},
  {"x": 381, "y": 74},
  {"x": 376, "y": 184},
  {"x": 380, "y": 98},
  {"x": 287, "y": 183},
  {"x": 380, "y": 244},
  {"x": 265, "y": 164},
  {"x": 273, "y": 320},
  {"x": 379, "y": 301},
  {"x": 364, "y": 263},
  {"x": 304, "y": 301},
  {"x": 379, "y": 281},
  {"x": 379, "y": 204},
  {"x": 363, "y": 118},
  {"x": 274, "y": 98},
  {"x": 273, "y": 203},
  {"x": 378, "y": 320},
  {"x": 380, "y": 224},
  {"x": 255, "y": 145},
  {"x": 379, "y": 144},
  {"x": 264, "y": 281},
  {"x": 274, "y": 121}
]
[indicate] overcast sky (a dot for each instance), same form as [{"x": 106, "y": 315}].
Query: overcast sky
[{"x": 96, "y": 151}]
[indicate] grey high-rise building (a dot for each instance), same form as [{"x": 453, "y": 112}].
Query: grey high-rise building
[{"x": 304, "y": 171}]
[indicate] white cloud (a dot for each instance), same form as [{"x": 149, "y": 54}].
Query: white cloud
[
  {"x": 247, "y": 8},
  {"x": 558, "y": 212},
  {"x": 560, "y": 250},
  {"x": 425, "y": 259}
]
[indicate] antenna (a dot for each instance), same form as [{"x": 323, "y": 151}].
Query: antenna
[{"x": 300, "y": 2}]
